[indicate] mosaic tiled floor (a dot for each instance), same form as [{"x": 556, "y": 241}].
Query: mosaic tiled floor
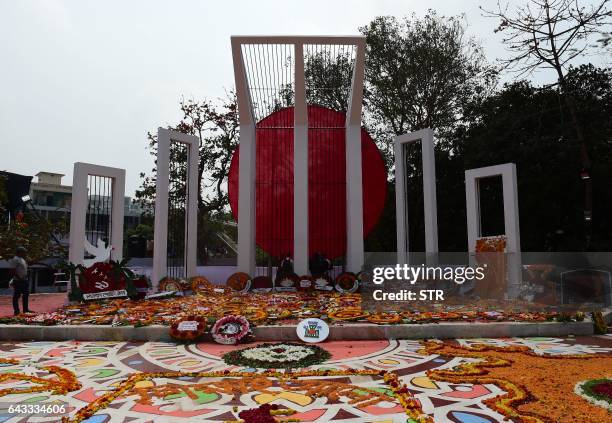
[{"x": 101, "y": 366}]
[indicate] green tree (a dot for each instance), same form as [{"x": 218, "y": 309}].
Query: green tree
[
  {"x": 35, "y": 234},
  {"x": 421, "y": 73},
  {"x": 531, "y": 126},
  {"x": 552, "y": 34},
  {"x": 216, "y": 126}
]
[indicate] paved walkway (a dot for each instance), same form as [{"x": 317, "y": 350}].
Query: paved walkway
[
  {"x": 103, "y": 366},
  {"x": 40, "y": 303}
]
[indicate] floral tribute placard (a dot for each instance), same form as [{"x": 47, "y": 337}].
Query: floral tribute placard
[{"x": 102, "y": 280}]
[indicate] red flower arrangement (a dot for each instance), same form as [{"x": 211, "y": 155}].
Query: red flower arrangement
[
  {"x": 230, "y": 330},
  {"x": 604, "y": 389},
  {"x": 263, "y": 414},
  {"x": 188, "y": 329},
  {"x": 99, "y": 277}
]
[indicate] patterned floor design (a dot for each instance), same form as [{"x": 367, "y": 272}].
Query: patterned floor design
[{"x": 101, "y": 366}]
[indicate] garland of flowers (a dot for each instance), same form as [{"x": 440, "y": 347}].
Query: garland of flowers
[
  {"x": 229, "y": 330},
  {"x": 480, "y": 373},
  {"x": 179, "y": 334},
  {"x": 277, "y": 355},
  {"x": 268, "y": 308},
  {"x": 597, "y": 392},
  {"x": 411, "y": 406},
  {"x": 66, "y": 381}
]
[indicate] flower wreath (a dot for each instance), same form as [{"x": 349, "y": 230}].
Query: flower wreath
[
  {"x": 323, "y": 283},
  {"x": 348, "y": 314},
  {"x": 305, "y": 283},
  {"x": 169, "y": 284},
  {"x": 199, "y": 284},
  {"x": 229, "y": 330},
  {"x": 385, "y": 318},
  {"x": 262, "y": 284},
  {"x": 287, "y": 283},
  {"x": 188, "y": 329},
  {"x": 596, "y": 391},
  {"x": 239, "y": 281},
  {"x": 347, "y": 282}
]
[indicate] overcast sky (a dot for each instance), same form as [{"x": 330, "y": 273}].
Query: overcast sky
[{"x": 85, "y": 81}]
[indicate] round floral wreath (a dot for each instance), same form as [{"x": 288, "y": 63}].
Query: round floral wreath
[
  {"x": 229, "y": 330},
  {"x": 348, "y": 314},
  {"x": 200, "y": 284},
  {"x": 239, "y": 281},
  {"x": 347, "y": 282},
  {"x": 179, "y": 334},
  {"x": 169, "y": 284},
  {"x": 596, "y": 391},
  {"x": 385, "y": 318},
  {"x": 278, "y": 355}
]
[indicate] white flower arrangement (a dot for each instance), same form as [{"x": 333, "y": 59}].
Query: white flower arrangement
[
  {"x": 277, "y": 353},
  {"x": 579, "y": 390}
]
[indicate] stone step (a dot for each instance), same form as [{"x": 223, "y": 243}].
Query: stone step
[{"x": 355, "y": 331}]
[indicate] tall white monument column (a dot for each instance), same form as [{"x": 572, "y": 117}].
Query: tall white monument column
[
  {"x": 246, "y": 165},
  {"x": 300, "y": 167},
  {"x": 425, "y": 136},
  {"x": 354, "y": 187},
  {"x": 160, "y": 244},
  {"x": 511, "y": 216},
  {"x": 80, "y": 204}
]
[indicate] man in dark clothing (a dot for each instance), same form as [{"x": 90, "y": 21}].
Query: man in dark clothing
[
  {"x": 20, "y": 280},
  {"x": 319, "y": 265}
]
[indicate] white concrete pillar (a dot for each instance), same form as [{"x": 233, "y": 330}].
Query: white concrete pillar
[
  {"x": 300, "y": 167},
  {"x": 80, "y": 204},
  {"x": 428, "y": 160},
  {"x": 511, "y": 216},
  {"x": 354, "y": 186},
  {"x": 160, "y": 244},
  {"x": 246, "y": 165}
]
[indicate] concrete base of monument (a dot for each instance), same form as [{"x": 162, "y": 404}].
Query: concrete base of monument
[{"x": 353, "y": 331}]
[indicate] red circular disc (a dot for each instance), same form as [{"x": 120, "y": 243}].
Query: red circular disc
[{"x": 326, "y": 182}]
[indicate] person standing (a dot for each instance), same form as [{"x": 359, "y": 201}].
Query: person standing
[{"x": 20, "y": 280}]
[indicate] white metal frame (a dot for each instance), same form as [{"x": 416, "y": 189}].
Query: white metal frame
[
  {"x": 511, "y": 215},
  {"x": 160, "y": 245},
  {"x": 246, "y": 181},
  {"x": 425, "y": 136},
  {"x": 80, "y": 203}
]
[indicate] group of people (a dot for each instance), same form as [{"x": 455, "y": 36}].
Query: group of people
[{"x": 318, "y": 265}]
